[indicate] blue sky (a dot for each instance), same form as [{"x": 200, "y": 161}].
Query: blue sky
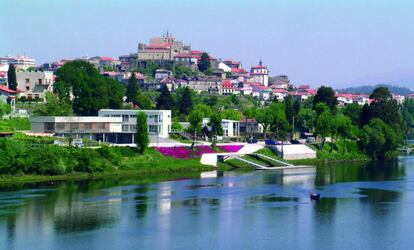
[{"x": 312, "y": 41}]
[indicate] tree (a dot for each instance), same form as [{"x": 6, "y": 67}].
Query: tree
[
  {"x": 292, "y": 107},
  {"x": 326, "y": 95},
  {"x": 320, "y": 108},
  {"x": 204, "y": 63},
  {"x": 366, "y": 115},
  {"x": 186, "y": 102},
  {"x": 344, "y": 129},
  {"x": 232, "y": 114},
  {"x": 54, "y": 107},
  {"x": 306, "y": 119},
  {"x": 79, "y": 83},
  {"x": 211, "y": 100},
  {"x": 378, "y": 139},
  {"x": 132, "y": 88},
  {"x": 264, "y": 117},
  {"x": 165, "y": 100},
  {"x": 280, "y": 124},
  {"x": 381, "y": 94},
  {"x": 408, "y": 113},
  {"x": 142, "y": 138},
  {"x": 216, "y": 128},
  {"x": 143, "y": 101},
  {"x": 4, "y": 109},
  {"x": 11, "y": 77},
  {"x": 204, "y": 109},
  {"x": 386, "y": 108},
  {"x": 353, "y": 111},
  {"x": 195, "y": 118},
  {"x": 323, "y": 126}
]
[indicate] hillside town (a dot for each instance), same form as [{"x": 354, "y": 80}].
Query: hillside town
[{"x": 173, "y": 64}]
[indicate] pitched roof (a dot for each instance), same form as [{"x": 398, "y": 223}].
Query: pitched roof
[{"x": 7, "y": 90}]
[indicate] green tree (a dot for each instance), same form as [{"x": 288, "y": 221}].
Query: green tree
[
  {"x": 204, "y": 63},
  {"x": 196, "y": 119},
  {"x": 132, "y": 88},
  {"x": 366, "y": 115},
  {"x": 11, "y": 77},
  {"x": 89, "y": 89},
  {"x": 323, "y": 126},
  {"x": 216, "y": 128},
  {"x": 320, "y": 108},
  {"x": 54, "y": 107},
  {"x": 378, "y": 139},
  {"x": 326, "y": 95},
  {"x": 143, "y": 101},
  {"x": 232, "y": 114},
  {"x": 344, "y": 129},
  {"x": 204, "y": 109},
  {"x": 165, "y": 101},
  {"x": 386, "y": 108},
  {"x": 211, "y": 100},
  {"x": 186, "y": 102},
  {"x": 264, "y": 117},
  {"x": 4, "y": 109},
  {"x": 408, "y": 114},
  {"x": 280, "y": 124},
  {"x": 141, "y": 136},
  {"x": 353, "y": 111},
  {"x": 306, "y": 119}
]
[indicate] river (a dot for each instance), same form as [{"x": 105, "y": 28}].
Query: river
[{"x": 362, "y": 207}]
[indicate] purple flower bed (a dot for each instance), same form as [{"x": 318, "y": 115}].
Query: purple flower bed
[
  {"x": 230, "y": 148},
  {"x": 184, "y": 152}
]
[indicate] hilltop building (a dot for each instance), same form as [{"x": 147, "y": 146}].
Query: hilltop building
[
  {"x": 260, "y": 74},
  {"x": 162, "y": 48},
  {"x": 21, "y": 62}
]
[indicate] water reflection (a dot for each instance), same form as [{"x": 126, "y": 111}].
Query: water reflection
[{"x": 200, "y": 212}]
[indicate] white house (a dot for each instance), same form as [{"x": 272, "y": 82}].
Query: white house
[
  {"x": 34, "y": 84},
  {"x": 280, "y": 94},
  {"x": 162, "y": 73},
  {"x": 111, "y": 125},
  {"x": 224, "y": 67}
]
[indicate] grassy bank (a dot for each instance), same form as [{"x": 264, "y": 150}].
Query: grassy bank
[{"x": 14, "y": 124}]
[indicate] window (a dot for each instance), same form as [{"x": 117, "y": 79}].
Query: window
[
  {"x": 100, "y": 125},
  {"x": 40, "y": 81},
  {"x": 87, "y": 126},
  {"x": 132, "y": 128},
  {"x": 74, "y": 126},
  {"x": 152, "y": 128},
  {"x": 125, "y": 118},
  {"x": 27, "y": 80},
  {"x": 60, "y": 126},
  {"x": 27, "y": 87},
  {"x": 125, "y": 128},
  {"x": 49, "y": 126}
]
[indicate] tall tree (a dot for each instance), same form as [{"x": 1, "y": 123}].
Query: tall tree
[
  {"x": 165, "y": 100},
  {"x": 353, "y": 111},
  {"x": 80, "y": 83},
  {"x": 195, "y": 118},
  {"x": 386, "y": 108},
  {"x": 204, "y": 63},
  {"x": 141, "y": 136},
  {"x": 280, "y": 124},
  {"x": 186, "y": 102},
  {"x": 264, "y": 117},
  {"x": 327, "y": 96},
  {"x": 216, "y": 128},
  {"x": 54, "y": 107},
  {"x": 323, "y": 126},
  {"x": 344, "y": 129},
  {"x": 11, "y": 77},
  {"x": 132, "y": 88},
  {"x": 306, "y": 119},
  {"x": 249, "y": 113},
  {"x": 143, "y": 101}
]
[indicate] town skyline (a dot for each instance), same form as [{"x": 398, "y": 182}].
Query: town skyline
[{"x": 325, "y": 36}]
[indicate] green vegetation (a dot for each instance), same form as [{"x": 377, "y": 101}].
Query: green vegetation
[
  {"x": 141, "y": 136},
  {"x": 4, "y": 109},
  {"x": 53, "y": 107},
  {"x": 165, "y": 100},
  {"x": 11, "y": 77},
  {"x": 216, "y": 128},
  {"x": 131, "y": 89},
  {"x": 195, "y": 119},
  {"x": 204, "y": 64},
  {"x": 14, "y": 124},
  {"x": 91, "y": 91}
]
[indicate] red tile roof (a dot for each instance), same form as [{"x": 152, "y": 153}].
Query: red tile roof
[
  {"x": 238, "y": 71},
  {"x": 279, "y": 91},
  {"x": 259, "y": 67},
  {"x": 7, "y": 90}
]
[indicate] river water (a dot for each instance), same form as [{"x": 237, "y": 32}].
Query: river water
[{"x": 362, "y": 207}]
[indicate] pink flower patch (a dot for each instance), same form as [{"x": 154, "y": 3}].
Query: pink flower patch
[
  {"x": 184, "y": 152},
  {"x": 230, "y": 148}
]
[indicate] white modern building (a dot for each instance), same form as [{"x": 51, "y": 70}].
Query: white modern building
[
  {"x": 21, "y": 62},
  {"x": 111, "y": 125},
  {"x": 231, "y": 128},
  {"x": 34, "y": 84}
]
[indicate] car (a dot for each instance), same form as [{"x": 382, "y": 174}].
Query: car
[
  {"x": 295, "y": 142},
  {"x": 251, "y": 140},
  {"x": 77, "y": 143},
  {"x": 311, "y": 140},
  {"x": 270, "y": 142}
]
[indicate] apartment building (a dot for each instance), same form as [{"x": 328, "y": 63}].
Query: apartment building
[
  {"x": 111, "y": 125},
  {"x": 34, "y": 84}
]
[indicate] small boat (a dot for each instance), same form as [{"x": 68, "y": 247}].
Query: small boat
[{"x": 315, "y": 196}]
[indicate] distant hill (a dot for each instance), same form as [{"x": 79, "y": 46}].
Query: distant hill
[{"x": 367, "y": 89}]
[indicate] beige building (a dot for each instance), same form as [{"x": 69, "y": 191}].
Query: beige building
[
  {"x": 162, "y": 48},
  {"x": 34, "y": 84}
]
